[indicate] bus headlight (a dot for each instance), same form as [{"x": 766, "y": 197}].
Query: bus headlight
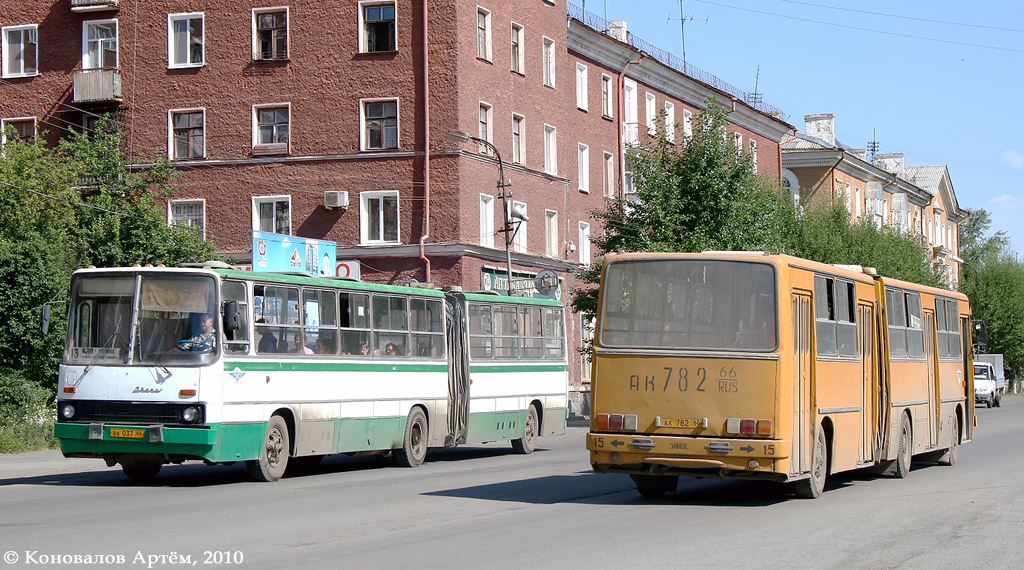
[
  {"x": 68, "y": 411},
  {"x": 189, "y": 415}
]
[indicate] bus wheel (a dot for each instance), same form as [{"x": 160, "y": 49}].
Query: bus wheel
[
  {"x": 905, "y": 450},
  {"x": 414, "y": 448},
  {"x": 528, "y": 442},
  {"x": 141, "y": 471},
  {"x": 811, "y": 487},
  {"x": 654, "y": 486},
  {"x": 949, "y": 456},
  {"x": 274, "y": 455}
]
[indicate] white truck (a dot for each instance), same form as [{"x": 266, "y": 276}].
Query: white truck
[{"x": 989, "y": 379}]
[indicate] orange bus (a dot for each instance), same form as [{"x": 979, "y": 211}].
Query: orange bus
[{"x": 739, "y": 364}]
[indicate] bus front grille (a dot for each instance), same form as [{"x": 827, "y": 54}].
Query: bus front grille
[{"x": 132, "y": 412}]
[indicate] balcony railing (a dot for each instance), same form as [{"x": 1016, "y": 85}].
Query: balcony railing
[
  {"x": 93, "y": 5},
  {"x": 97, "y": 85}
]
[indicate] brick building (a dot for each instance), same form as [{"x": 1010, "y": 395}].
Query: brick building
[{"x": 314, "y": 119}]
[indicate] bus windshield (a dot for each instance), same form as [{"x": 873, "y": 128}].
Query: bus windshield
[
  {"x": 143, "y": 319},
  {"x": 689, "y": 304}
]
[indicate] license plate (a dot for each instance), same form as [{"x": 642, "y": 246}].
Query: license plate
[
  {"x": 686, "y": 423},
  {"x": 128, "y": 433}
]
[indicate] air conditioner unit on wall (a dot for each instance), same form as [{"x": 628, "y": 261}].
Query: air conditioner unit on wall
[{"x": 336, "y": 199}]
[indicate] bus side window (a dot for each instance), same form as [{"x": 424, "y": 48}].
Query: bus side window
[{"x": 236, "y": 340}]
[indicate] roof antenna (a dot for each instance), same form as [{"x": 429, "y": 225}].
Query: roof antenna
[
  {"x": 873, "y": 146},
  {"x": 682, "y": 27}
]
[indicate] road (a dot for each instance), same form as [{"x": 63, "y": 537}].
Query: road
[{"x": 484, "y": 507}]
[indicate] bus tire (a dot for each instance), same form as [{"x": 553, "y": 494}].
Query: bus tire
[
  {"x": 141, "y": 471},
  {"x": 273, "y": 458},
  {"x": 905, "y": 450},
  {"x": 528, "y": 442},
  {"x": 655, "y": 486},
  {"x": 811, "y": 487},
  {"x": 414, "y": 447},
  {"x": 949, "y": 456}
]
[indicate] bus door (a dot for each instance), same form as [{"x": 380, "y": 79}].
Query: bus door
[
  {"x": 933, "y": 377},
  {"x": 968, "y": 378},
  {"x": 458, "y": 369},
  {"x": 802, "y": 411},
  {"x": 867, "y": 373}
]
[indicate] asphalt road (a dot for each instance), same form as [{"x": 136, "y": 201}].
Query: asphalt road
[{"x": 484, "y": 507}]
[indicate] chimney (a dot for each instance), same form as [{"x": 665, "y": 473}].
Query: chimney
[
  {"x": 617, "y": 30},
  {"x": 891, "y": 162},
  {"x": 821, "y": 127}
]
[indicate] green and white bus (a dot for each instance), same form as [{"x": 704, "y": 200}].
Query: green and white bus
[{"x": 297, "y": 368}]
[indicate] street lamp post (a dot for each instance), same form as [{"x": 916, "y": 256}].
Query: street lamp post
[{"x": 504, "y": 194}]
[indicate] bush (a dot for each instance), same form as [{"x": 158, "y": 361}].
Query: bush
[{"x": 27, "y": 414}]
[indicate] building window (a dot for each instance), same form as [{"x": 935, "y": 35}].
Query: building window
[
  {"x": 487, "y": 220},
  {"x": 271, "y": 132},
  {"x": 737, "y": 141},
  {"x": 581, "y": 86},
  {"x": 670, "y": 122},
  {"x": 483, "y": 33},
  {"x": 20, "y": 49},
  {"x": 606, "y": 96},
  {"x": 630, "y": 127},
  {"x": 187, "y": 134},
  {"x": 188, "y": 214},
  {"x": 518, "y": 63},
  {"x": 21, "y": 128},
  {"x": 518, "y": 149},
  {"x": 378, "y": 217},
  {"x": 270, "y": 33},
  {"x": 484, "y": 130},
  {"x": 550, "y": 150},
  {"x": 608, "y": 175},
  {"x": 687, "y": 123},
  {"x": 272, "y": 214},
  {"x": 651, "y": 112},
  {"x": 583, "y": 167},
  {"x": 519, "y": 241},
  {"x": 380, "y": 124},
  {"x": 551, "y": 244},
  {"x": 584, "y": 248},
  {"x": 377, "y": 27},
  {"x": 753, "y": 166},
  {"x": 99, "y": 44},
  {"x": 185, "y": 40},
  {"x": 548, "y": 60}
]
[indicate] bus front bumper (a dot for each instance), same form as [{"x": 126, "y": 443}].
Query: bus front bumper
[{"x": 99, "y": 439}]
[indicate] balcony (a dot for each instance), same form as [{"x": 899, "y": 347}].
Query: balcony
[
  {"x": 94, "y": 5},
  {"x": 97, "y": 85}
]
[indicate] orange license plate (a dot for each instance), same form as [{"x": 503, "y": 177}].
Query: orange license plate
[
  {"x": 685, "y": 423},
  {"x": 127, "y": 433}
]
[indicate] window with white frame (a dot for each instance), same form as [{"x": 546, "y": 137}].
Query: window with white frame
[
  {"x": 550, "y": 150},
  {"x": 22, "y": 128},
  {"x": 484, "y": 127},
  {"x": 380, "y": 124},
  {"x": 483, "y": 33},
  {"x": 584, "y": 248},
  {"x": 651, "y": 112},
  {"x": 548, "y": 61},
  {"x": 551, "y": 244},
  {"x": 608, "y": 175},
  {"x": 188, "y": 138},
  {"x": 272, "y": 214},
  {"x": 378, "y": 216},
  {"x": 377, "y": 30},
  {"x": 607, "y": 103},
  {"x": 188, "y": 214},
  {"x": 670, "y": 122},
  {"x": 753, "y": 161},
  {"x": 99, "y": 44},
  {"x": 518, "y": 49},
  {"x": 270, "y": 33},
  {"x": 518, "y": 142},
  {"x": 20, "y": 50},
  {"x": 583, "y": 167},
  {"x": 581, "y": 86},
  {"x": 519, "y": 241},
  {"x": 628, "y": 184},
  {"x": 487, "y": 220},
  {"x": 630, "y": 119},
  {"x": 185, "y": 35},
  {"x": 856, "y": 194},
  {"x": 271, "y": 126},
  {"x": 737, "y": 142},
  {"x": 687, "y": 123}
]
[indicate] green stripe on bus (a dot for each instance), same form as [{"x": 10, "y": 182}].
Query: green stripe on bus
[
  {"x": 278, "y": 366},
  {"x": 519, "y": 368}
]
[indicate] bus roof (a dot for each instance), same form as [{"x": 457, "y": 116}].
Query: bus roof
[{"x": 754, "y": 256}]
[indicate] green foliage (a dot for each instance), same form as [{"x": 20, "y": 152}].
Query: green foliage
[{"x": 26, "y": 414}]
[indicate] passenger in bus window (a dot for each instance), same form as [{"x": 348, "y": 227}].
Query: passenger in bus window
[
  {"x": 364, "y": 350},
  {"x": 300, "y": 345},
  {"x": 392, "y": 349},
  {"x": 268, "y": 341},
  {"x": 323, "y": 346}
]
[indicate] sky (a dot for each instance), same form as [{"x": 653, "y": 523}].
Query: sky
[{"x": 941, "y": 81}]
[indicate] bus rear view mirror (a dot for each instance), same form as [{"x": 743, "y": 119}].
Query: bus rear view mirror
[
  {"x": 231, "y": 316},
  {"x": 44, "y": 320}
]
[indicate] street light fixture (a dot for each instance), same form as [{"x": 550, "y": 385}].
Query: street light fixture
[{"x": 507, "y": 213}]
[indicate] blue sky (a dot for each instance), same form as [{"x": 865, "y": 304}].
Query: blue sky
[{"x": 876, "y": 65}]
